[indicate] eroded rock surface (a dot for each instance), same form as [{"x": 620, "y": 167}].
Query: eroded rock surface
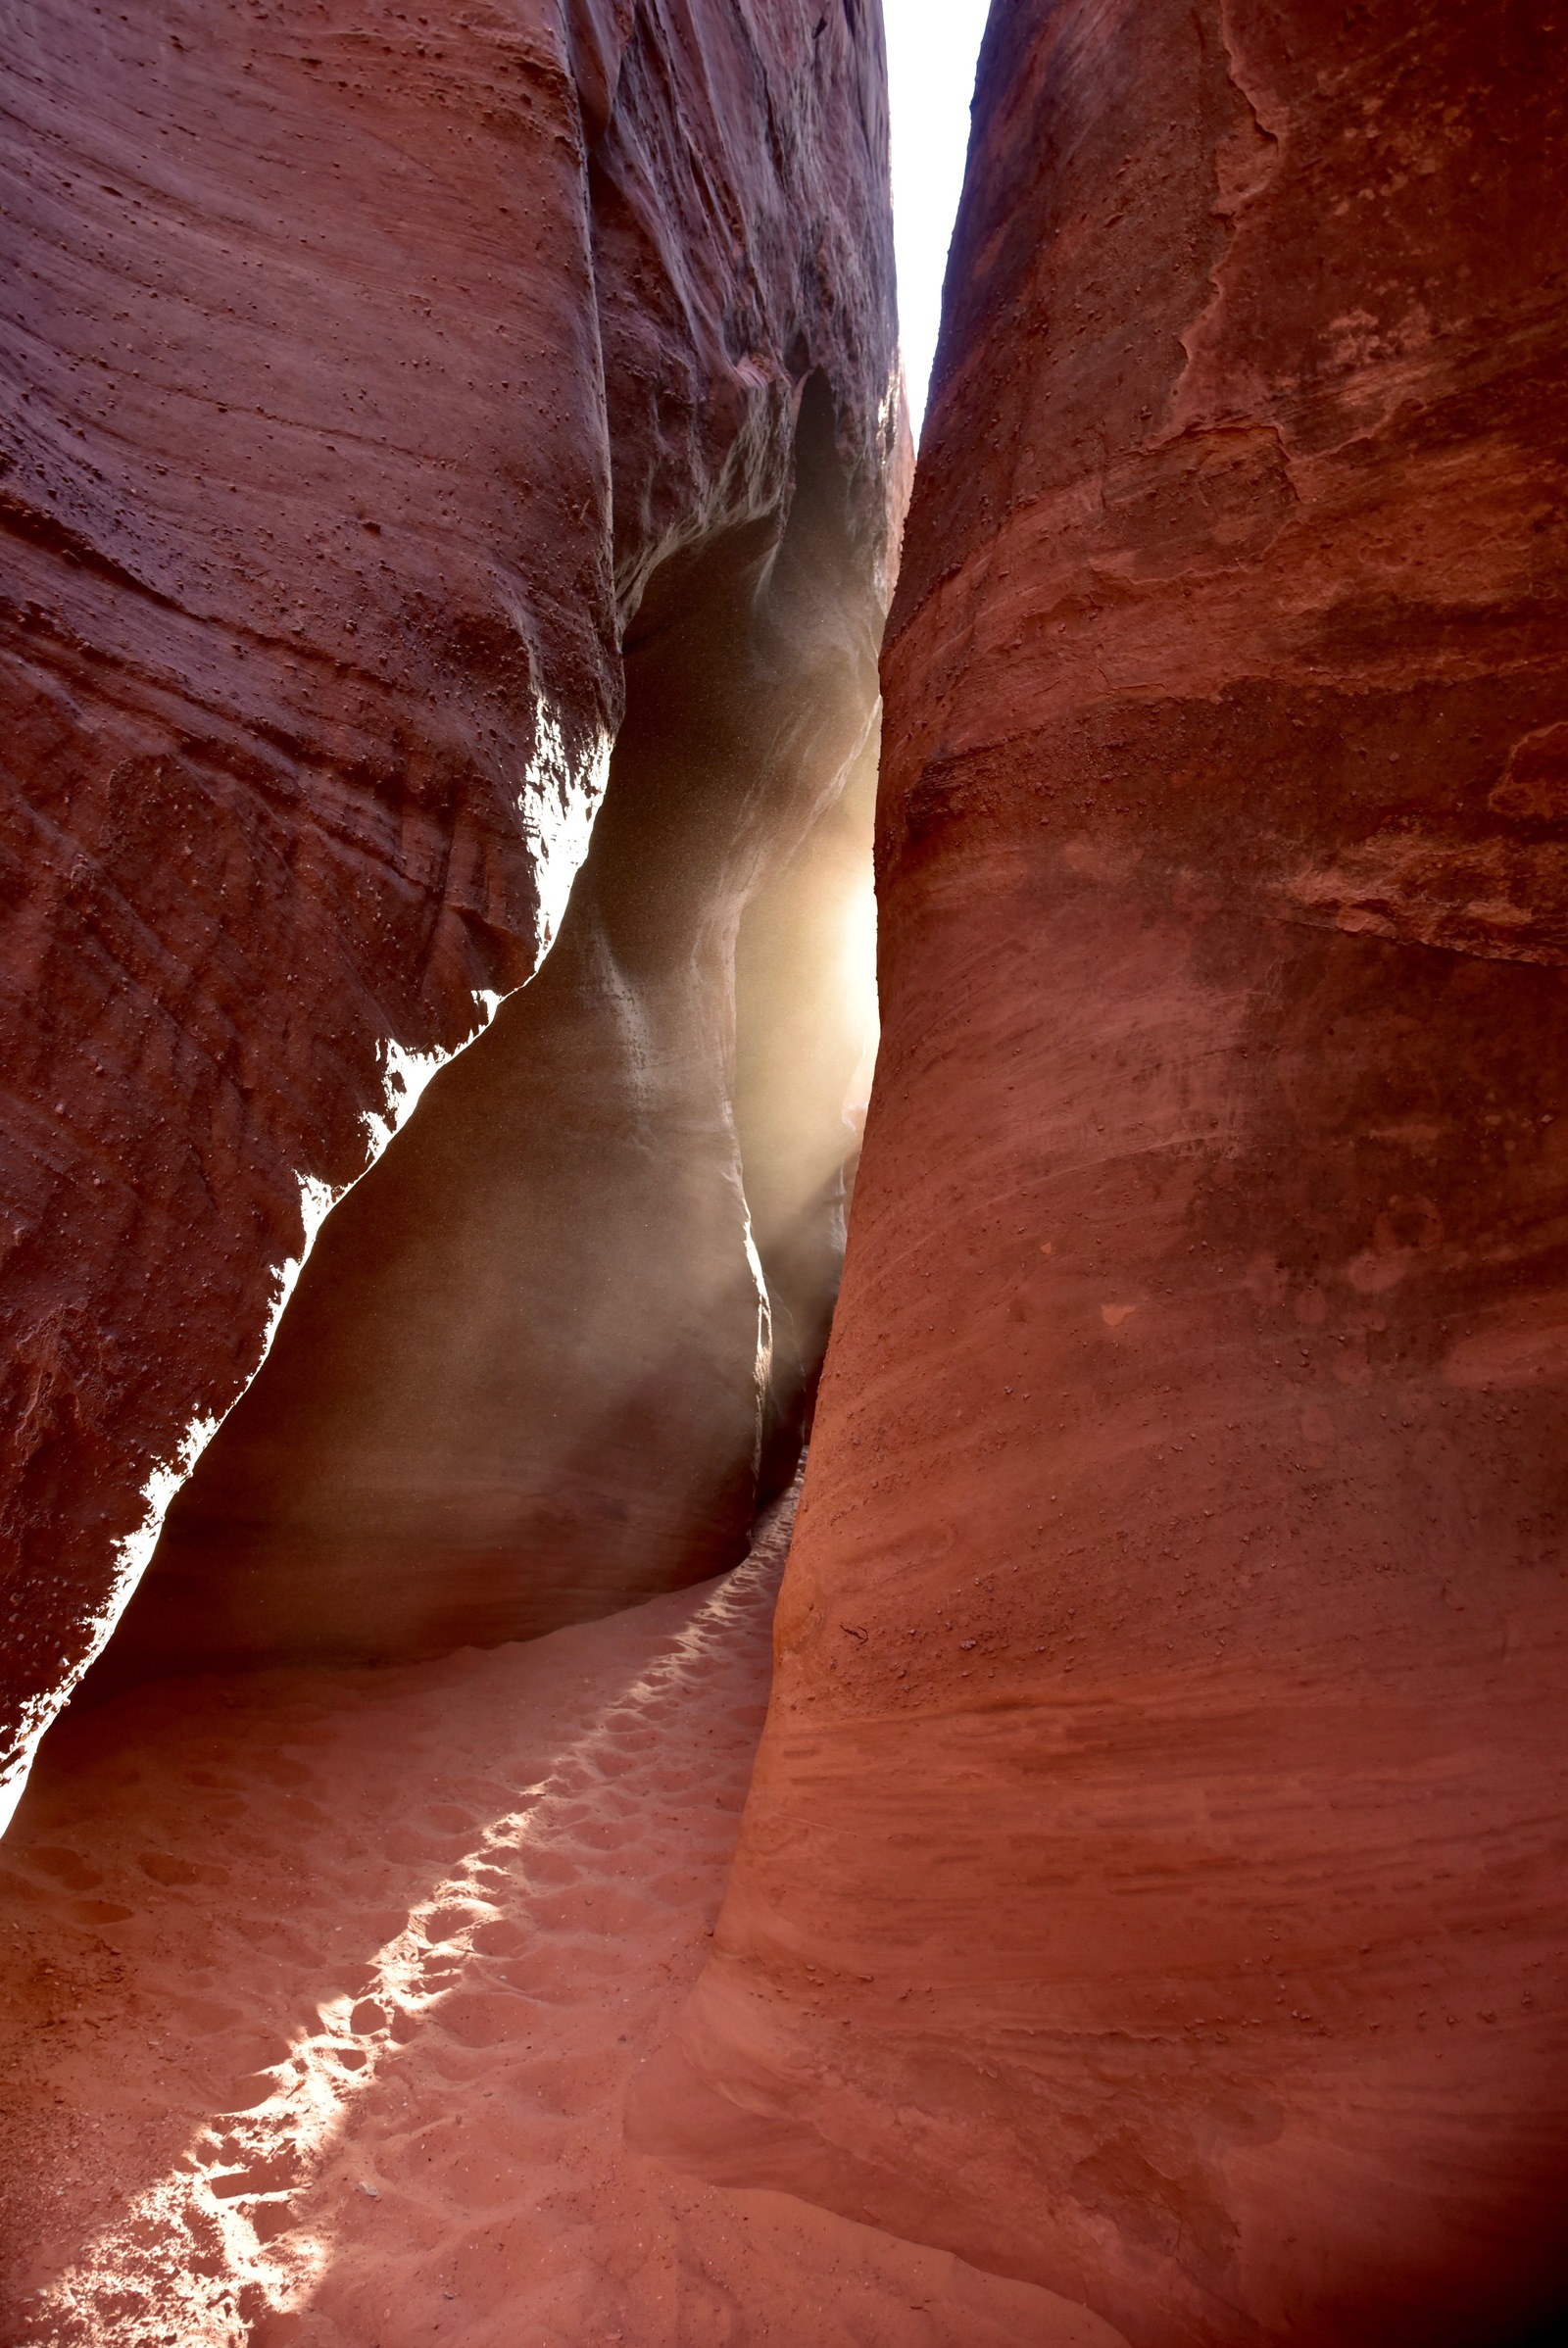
[
  {"x": 1151, "y": 1881},
  {"x": 362, "y": 370}
]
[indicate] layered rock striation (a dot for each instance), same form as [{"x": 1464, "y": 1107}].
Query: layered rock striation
[
  {"x": 1150, "y": 1883},
  {"x": 369, "y": 378}
]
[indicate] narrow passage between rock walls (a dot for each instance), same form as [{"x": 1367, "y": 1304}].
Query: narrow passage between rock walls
[{"x": 324, "y": 1987}]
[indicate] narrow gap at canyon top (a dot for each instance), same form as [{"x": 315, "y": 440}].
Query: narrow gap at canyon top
[{"x": 932, "y": 50}]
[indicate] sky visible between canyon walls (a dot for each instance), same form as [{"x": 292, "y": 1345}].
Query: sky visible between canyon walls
[{"x": 932, "y": 47}]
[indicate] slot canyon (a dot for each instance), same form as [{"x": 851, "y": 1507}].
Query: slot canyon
[{"x": 622, "y": 1718}]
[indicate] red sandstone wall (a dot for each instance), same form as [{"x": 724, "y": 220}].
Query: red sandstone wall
[
  {"x": 360, "y": 369},
  {"x": 520, "y": 1379},
  {"x": 1153, "y": 1880}
]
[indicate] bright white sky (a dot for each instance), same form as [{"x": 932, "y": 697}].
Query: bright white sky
[{"x": 932, "y": 47}]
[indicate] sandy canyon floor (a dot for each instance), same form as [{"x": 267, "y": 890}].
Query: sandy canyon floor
[{"x": 319, "y": 1992}]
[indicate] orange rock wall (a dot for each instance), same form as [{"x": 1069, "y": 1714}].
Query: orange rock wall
[
  {"x": 1152, "y": 1883},
  {"x": 360, "y": 370}
]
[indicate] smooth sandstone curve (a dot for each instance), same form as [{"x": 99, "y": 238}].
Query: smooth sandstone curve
[
  {"x": 361, "y": 370},
  {"x": 1152, "y": 1883}
]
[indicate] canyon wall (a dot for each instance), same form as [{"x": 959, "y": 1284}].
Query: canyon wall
[
  {"x": 523, "y": 1378},
  {"x": 1153, "y": 1880},
  {"x": 369, "y": 378}
]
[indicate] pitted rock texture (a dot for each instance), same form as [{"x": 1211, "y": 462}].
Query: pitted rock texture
[
  {"x": 1151, "y": 1881},
  {"x": 361, "y": 370}
]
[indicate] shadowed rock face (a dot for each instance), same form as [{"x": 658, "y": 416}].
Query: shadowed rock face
[
  {"x": 521, "y": 1381},
  {"x": 1149, "y": 1884},
  {"x": 361, "y": 374}
]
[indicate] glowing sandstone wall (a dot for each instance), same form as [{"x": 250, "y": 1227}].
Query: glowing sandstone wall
[
  {"x": 1153, "y": 1880},
  {"x": 522, "y": 1379},
  {"x": 361, "y": 370}
]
